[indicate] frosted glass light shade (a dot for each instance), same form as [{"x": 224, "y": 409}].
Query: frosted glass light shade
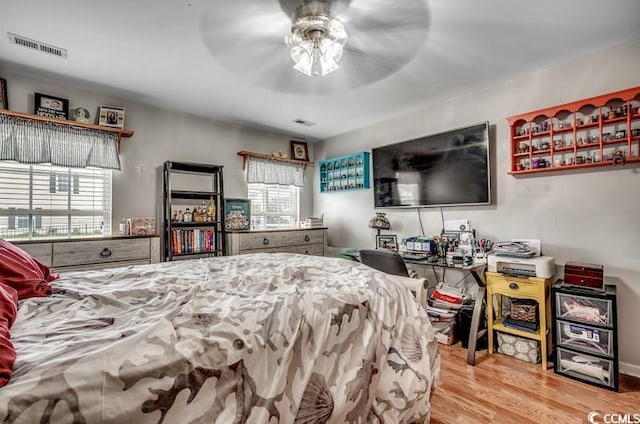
[{"x": 317, "y": 44}]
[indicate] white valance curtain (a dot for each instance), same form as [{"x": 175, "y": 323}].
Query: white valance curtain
[
  {"x": 272, "y": 172},
  {"x": 29, "y": 141}
]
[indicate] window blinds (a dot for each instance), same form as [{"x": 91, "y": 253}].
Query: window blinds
[
  {"x": 274, "y": 206},
  {"x": 52, "y": 201}
]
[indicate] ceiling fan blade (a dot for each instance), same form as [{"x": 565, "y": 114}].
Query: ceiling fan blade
[
  {"x": 248, "y": 38},
  {"x": 379, "y": 15},
  {"x": 377, "y": 48},
  {"x": 363, "y": 69}
]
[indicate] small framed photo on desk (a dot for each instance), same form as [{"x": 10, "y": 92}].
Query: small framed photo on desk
[{"x": 387, "y": 242}]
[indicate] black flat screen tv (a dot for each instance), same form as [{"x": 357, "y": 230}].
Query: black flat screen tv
[{"x": 446, "y": 169}]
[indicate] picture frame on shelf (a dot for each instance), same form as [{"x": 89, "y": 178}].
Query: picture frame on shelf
[
  {"x": 50, "y": 106},
  {"x": 81, "y": 114},
  {"x": 387, "y": 242},
  {"x": 110, "y": 116},
  {"x": 4, "y": 100},
  {"x": 299, "y": 150},
  {"x": 237, "y": 214}
]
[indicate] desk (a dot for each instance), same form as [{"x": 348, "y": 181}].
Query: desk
[{"x": 477, "y": 272}]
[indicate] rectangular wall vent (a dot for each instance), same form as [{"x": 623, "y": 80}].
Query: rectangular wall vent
[
  {"x": 37, "y": 45},
  {"x": 303, "y": 122}
]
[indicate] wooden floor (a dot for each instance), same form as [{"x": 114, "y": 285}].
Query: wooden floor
[{"x": 501, "y": 389}]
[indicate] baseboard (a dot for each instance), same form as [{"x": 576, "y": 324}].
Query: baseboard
[{"x": 629, "y": 369}]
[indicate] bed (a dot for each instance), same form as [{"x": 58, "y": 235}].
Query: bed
[{"x": 258, "y": 338}]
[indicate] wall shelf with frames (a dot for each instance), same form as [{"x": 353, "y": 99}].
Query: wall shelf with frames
[
  {"x": 120, "y": 133},
  {"x": 345, "y": 173},
  {"x": 597, "y": 131}
]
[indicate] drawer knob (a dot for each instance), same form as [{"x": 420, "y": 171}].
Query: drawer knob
[
  {"x": 265, "y": 241},
  {"x": 513, "y": 286},
  {"x": 106, "y": 252},
  {"x": 306, "y": 252},
  {"x": 306, "y": 238}
]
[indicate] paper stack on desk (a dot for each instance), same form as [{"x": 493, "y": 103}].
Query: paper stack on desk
[{"x": 513, "y": 248}]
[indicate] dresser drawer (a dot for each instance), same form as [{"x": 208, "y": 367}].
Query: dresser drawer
[
  {"x": 266, "y": 240},
  {"x": 271, "y": 239},
  {"x": 311, "y": 249},
  {"x": 306, "y": 237},
  {"x": 586, "y": 367},
  {"x": 516, "y": 286},
  {"x": 40, "y": 251},
  {"x": 585, "y": 338},
  {"x": 99, "y": 251},
  {"x": 584, "y": 269},
  {"x": 584, "y": 308}
]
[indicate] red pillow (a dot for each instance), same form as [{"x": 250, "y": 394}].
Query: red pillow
[
  {"x": 8, "y": 311},
  {"x": 28, "y": 276}
]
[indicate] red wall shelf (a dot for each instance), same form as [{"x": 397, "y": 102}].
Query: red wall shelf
[{"x": 597, "y": 131}]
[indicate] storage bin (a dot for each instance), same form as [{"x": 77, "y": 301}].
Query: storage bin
[
  {"x": 589, "y": 310},
  {"x": 524, "y": 310},
  {"x": 445, "y": 332},
  {"x": 586, "y": 367},
  {"x": 519, "y": 347},
  {"x": 585, "y": 338}
]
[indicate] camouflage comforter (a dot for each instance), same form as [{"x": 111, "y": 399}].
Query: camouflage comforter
[{"x": 270, "y": 338}]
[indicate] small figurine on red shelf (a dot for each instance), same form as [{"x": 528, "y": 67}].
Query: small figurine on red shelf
[{"x": 618, "y": 157}]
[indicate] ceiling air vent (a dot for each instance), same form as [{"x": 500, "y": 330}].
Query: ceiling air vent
[
  {"x": 37, "y": 45},
  {"x": 303, "y": 122}
]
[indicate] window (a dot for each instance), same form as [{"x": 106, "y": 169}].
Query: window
[
  {"x": 274, "y": 205},
  {"x": 53, "y": 201}
]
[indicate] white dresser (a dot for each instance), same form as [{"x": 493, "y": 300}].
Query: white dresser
[
  {"x": 307, "y": 241},
  {"x": 93, "y": 253}
]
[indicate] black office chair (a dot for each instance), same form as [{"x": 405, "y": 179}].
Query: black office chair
[
  {"x": 385, "y": 261},
  {"x": 392, "y": 263}
]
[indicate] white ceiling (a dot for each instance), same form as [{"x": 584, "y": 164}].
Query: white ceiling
[{"x": 169, "y": 53}]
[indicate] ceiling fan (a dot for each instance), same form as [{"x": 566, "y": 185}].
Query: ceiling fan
[{"x": 314, "y": 46}]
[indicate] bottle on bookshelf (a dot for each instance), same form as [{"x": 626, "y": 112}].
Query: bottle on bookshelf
[
  {"x": 187, "y": 216},
  {"x": 211, "y": 210}
]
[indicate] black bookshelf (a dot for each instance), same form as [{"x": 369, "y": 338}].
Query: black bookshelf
[{"x": 193, "y": 239}]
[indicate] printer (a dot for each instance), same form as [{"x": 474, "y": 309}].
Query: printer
[{"x": 537, "y": 266}]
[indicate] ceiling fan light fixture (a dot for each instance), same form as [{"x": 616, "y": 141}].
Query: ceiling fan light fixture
[{"x": 317, "y": 40}]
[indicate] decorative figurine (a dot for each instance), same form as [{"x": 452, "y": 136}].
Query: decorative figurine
[
  {"x": 81, "y": 115},
  {"x": 618, "y": 157}
]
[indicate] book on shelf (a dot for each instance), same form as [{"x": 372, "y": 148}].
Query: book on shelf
[
  {"x": 528, "y": 326},
  {"x": 192, "y": 241}
]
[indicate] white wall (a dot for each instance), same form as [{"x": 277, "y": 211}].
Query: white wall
[
  {"x": 160, "y": 135},
  {"x": 590, "y": 216}
]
